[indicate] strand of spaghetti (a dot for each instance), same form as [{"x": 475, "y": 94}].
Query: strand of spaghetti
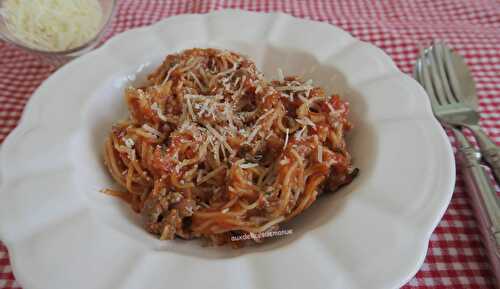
[
  {"x": 249, "y": 207},
  {"x": 143, "y": 152},
  {"x": 201, "y": 155},
  {"x": 260, "y": 180},
  {"x": 308, "y": 195},
  {"x": 122, "y": 195},
  {"x": 136, "y": 178},
  {"x": 285, "y": 189},
  {"x": 229, "y": 223},
  {"x": 167, "y": 77},
  {"x": 120, "y": 148},
  {"x": 271, "y": 174},
  {"x": 216, "y": 230},
  {"x": 280, "y": 125},
  {"x": 188, "y": 162},
  {"x": 138, "y": 168},
  {"x": 317, "y": 98},
  {"x": 202, "y": 214},
  {"x": 157, "y": 187},
  {"x": 233, "y": 225},
  {"x": 149, "y": 155},
  {"x": 314, "y": 195},
  {"x": 116, "y": 144},
  {"x": 257, "y": 170},
  {"x": 111, "y": 162},
  {"x": 266, "y": 226},
  {"x": 230, "y": 203},
  {"x": 180, "y": 183},
  {"x": 243, "y": 191},
  {"x": 278, "y": 112},
  {"x": 171, "y": 119},
  {"x": 204, "y": 225},
  {"x": 264, "y": 115},
  {"x": 245, "y": 183},
  {"x": 224, "y": 156},
  {"x": 297, "y": 157},
  {"x": 211, "y": 174},
  {"x": 188, "y": 175},
  {"x": 301, "y": 178},
  {"x": 317, "y": 118},
  {"x": 317, "y": 168},
  {"x": 130, "y": 173},
  {"x": 216, "y": 155},
  {"x": 220, "y": 138},
  {"x": 141, "y": 132}
]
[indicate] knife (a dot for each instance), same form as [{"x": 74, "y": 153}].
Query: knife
[{"x": 483, "y": 196}]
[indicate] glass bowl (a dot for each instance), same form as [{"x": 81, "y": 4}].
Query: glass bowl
[{"x": 58, "y": 58}]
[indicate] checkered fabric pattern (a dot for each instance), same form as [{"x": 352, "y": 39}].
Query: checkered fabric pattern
[{"x": 456, "y": 257}]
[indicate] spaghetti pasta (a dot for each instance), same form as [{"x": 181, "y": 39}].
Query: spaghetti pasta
[{"x": 212, "y": 150}]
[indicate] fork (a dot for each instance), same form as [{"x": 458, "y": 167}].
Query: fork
[
  {"x": 451, "y": 113},
  {"x": 454, "y": 110},
  {"x": 430, "y": 73}
]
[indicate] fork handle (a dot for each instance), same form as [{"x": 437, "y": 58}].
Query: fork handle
[{"x": 489, "y": 150}]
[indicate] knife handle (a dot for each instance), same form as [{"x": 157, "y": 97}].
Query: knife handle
[
  {"x": 479, "y": 181},
  {"x": 484, "y": 200},
  {"x": 489, "y": 150}
]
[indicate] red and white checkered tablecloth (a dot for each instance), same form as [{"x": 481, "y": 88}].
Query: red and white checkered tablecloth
[{"x": 455, "y": 258}]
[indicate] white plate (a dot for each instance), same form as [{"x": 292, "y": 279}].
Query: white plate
[{"x": 63, "y": 233}]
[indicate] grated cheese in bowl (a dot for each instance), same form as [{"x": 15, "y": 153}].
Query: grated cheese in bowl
[
  {"x": 58, "y": 30},
  {"x": 53, "y": 25}
]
